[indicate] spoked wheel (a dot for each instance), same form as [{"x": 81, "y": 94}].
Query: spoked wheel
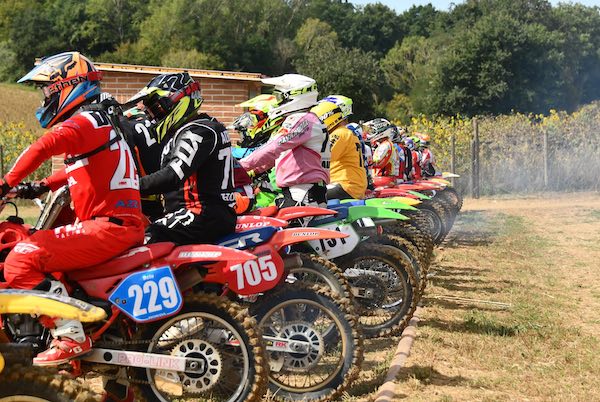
[
  {"x": 34, "y": 384},
  {"x": 384, "y": 284},
  {"x": 223, "y": 337},
  {"x": 409, "y": 255},
  {"x": 436, "y": 224},
  {"x": 315, "y": 270},
  {"x": 314, "y": 369}
]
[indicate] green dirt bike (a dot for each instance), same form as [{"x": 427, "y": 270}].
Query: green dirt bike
[{"x": 380, "y": 277}]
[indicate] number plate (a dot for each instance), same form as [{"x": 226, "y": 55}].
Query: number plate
[
  {"x": 332, "y": 248},
  {"x": 148, "y": 295}
]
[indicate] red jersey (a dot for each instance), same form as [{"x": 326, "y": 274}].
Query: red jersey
[
  {"x": 103, "y": 184},
  {"x": 416, "y": 165}
]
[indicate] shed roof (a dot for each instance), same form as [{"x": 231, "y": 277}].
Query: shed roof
[{"x": 197, "y": 73}]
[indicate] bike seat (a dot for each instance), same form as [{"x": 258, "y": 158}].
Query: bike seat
[
  {"x": 354, "y": 203},
  {"x": 248, "y": 238},
  {"x": 266, "y": 211},
  {"x": 342, "y": 213},
  {"x": 132, "y": 259}
]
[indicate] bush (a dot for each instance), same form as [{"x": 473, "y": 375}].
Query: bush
[
  {"x": 511, "y": 149},
  {"x": 14, "y": 138}
]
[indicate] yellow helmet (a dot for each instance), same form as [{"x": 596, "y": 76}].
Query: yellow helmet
[{"x": 329, "y": 113}]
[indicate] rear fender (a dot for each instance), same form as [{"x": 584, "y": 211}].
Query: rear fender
[
  {"x": 290, "y": 213},
  {"x": 287, "y": 237},
  {"x": 356, "y": 213},
  {"x": 392, "y": 192},
  {"x": 388, "y": 203},
  {"x": 247, "y": 222},
  {"x": 206, "y": 253},
  {"x": 37, "y": 302}
]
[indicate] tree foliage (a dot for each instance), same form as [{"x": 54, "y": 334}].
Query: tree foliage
[{"x": 479, "y": 57}]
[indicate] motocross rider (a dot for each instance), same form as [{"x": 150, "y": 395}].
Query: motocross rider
[
  {"x": 300, "y": 149},
  {"x": 387, "y": 160},
  {"x": 196, "y": 170},
  {"x": 103, "y": 183},
  {"x": 411, "y": 144},
  {"x": 427, "y": 159},
  {"x": 348, "y": 178}
]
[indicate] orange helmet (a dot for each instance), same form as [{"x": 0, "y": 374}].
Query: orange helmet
[
  {"x": 424, "y": 139},
  {"x": 68, "y": 80}
]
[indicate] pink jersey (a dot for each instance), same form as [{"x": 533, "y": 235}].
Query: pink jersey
[{"x": 299, "y": 150}]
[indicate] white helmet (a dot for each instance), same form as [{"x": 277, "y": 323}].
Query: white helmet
[
  {"x": 380, "y": 128},
  {"x": 294, "y": 92}
]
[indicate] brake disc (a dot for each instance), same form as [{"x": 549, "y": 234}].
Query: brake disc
[
  {"x": 305, "y": 332},
  {"x": 203, "y": 380}
]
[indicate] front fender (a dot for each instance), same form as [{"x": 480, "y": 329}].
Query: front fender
[
  {"x": 286, "y": 237},
  {"x": 37, "y": 302},
  {"x": 389, "y": 203}
]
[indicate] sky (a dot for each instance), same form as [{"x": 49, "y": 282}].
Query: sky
[{"x": 403, "y": 5}]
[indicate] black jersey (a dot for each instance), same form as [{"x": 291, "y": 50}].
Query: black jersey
[
  {"x": 196, "y": 168},
  {"x": 144, "y": 143}
]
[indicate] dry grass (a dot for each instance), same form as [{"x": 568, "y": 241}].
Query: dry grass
[
  {"x": 19, "y": 105},
  {"x": 539, "y": 255},
  {"x": 27, "y": 211}
]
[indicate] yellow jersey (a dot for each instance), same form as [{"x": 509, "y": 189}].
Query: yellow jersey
[{"x": 347, "y": 167}]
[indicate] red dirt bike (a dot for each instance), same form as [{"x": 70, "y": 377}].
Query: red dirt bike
[
  {"x": 312, "y": 335},
  {"x": 208, "y": 344},
  {"x": 296, "y": 319}
]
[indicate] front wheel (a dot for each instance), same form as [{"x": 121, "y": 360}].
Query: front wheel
[
  {"x": 20, "y": 383},
  {"x": 218, "y": 332},
  {"x": 318, "y": 369}
]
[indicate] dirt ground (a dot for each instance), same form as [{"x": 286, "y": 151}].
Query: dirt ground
[
  {"x": 512, "y": 311},
  {"x": 513, "y": 308}
]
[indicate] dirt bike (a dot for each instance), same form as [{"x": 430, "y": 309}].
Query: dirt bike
[
  {"x": 247, "y": 279},
  {"x": 383, "y": 292},
  {"x": 18, "y": 379},
  {"x": 197, "y": 346},
  {"x": 313, "y": 339}
]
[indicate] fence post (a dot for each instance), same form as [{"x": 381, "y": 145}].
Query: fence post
[
  {"x": 546, "y": 159},
  {"x": 453, "y": 157},
  {"x": 475, "y": 160}
]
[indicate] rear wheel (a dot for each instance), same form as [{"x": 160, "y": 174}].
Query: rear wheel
[
  {"x": 315, "y": 270},
  {"x": 386, "y": 285},
  {"x": 306, "y": 314},
  {"x": 222, "y": 335},
  {"x": 20, "y": 383}
]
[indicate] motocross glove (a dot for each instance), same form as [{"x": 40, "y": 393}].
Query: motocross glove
[
  {"x": 4, "y": 188},
  {"x": 32, "y": 190}
]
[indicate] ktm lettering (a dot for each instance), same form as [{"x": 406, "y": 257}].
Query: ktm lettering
[{"x": 253, "y": 272}]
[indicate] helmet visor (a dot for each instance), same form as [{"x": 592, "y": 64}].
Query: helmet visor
[{"x": 245, "y": 121}]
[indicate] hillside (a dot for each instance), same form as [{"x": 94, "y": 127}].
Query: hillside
[{"x": 19, "y": 105}]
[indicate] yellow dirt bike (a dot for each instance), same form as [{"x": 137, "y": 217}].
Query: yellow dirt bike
[{"x": 19, "y": 380}]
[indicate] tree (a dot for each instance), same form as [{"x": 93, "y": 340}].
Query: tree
[
  {"x": 191, "y": 59},
  {"x": 338, "y": 70},
  {"x": 499, "y": 65}
]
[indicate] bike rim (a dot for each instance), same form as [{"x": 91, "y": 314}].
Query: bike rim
[
  {"x": 396, "y": 293},
  {"x": 234, "y": 359},
  {"x": 331, "y": 357}
]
